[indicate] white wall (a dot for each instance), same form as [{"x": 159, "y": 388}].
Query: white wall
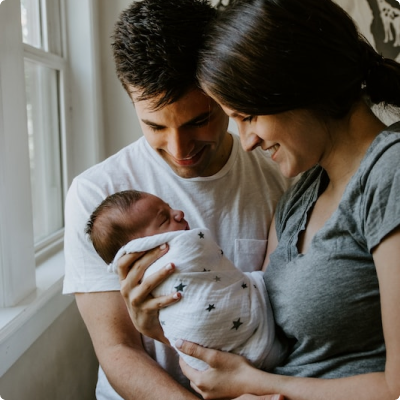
[
  {"x": 60, "y": 365},
  {"x": 120, "y": 123}
]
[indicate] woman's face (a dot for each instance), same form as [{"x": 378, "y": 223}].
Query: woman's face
[{"x": 296, "y": 140}]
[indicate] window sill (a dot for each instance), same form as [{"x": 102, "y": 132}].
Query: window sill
[{"x": 22, "y": 324}]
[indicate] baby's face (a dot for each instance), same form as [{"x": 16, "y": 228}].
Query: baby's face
[{"x": 155, "y": 216}]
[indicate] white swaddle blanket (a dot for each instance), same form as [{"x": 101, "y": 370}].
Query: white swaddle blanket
[{"x": 221, "y": 307}]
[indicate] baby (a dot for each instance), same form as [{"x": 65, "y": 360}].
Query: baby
[{"x": 221, "y": 307}]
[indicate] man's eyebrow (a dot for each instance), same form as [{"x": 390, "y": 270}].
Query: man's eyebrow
[
  {"x": 200, "y": 117},
  {"x": 148, "y": 122},
  {"x": 190, "y": 122}
]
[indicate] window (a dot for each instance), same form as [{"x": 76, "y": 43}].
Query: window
[
  {"x": 32, "y": 133},
  {"x": 50, "y": 131},
  {"x": 45, "y": 84},
  {"x": 48, "y": 74}
]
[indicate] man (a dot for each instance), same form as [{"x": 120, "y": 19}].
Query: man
[{"x": 186, "y": 157}]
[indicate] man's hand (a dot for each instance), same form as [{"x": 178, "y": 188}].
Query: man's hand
[{"x": 142, "y": 306}]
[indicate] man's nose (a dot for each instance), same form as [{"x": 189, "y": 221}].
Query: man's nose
[{"x": 179, "y": 144}]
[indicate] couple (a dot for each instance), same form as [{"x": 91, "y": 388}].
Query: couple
[{"x": 298, "y": 79}]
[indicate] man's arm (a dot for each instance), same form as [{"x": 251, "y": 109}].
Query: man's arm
[{"x": 118, "y": 345}]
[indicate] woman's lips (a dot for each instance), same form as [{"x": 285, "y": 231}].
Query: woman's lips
[{"x": 272, "y": 150}]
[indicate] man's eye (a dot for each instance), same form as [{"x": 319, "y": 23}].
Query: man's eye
[
  {"x": 155, "y": 128},
  {"x": 202, "y": 122}
]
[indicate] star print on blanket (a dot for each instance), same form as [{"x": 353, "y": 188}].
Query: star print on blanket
[{"x": 221, "y": 307}]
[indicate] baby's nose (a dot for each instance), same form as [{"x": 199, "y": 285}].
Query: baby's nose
[{"x": 179, "y": 215}]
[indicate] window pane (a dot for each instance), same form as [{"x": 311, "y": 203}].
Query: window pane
[
  {"x": 30, "y": 21},
  {"x": 44, "y": 149},
  {"x": 52, "y": 35}
]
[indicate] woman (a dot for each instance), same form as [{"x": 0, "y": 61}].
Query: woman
[
  {"x": 298, "y": 79},
  {"x": 299, "y": 74}
]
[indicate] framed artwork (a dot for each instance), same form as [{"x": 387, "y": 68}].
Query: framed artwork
[
  {"x": 379, "y": 21},
  {"x": 221, "y": 4}
]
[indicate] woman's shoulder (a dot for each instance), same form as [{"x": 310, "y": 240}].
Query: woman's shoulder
[{"x": 382, "y": 158}]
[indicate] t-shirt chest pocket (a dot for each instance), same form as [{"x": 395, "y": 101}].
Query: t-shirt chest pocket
[{"x": 250, "y": 254}]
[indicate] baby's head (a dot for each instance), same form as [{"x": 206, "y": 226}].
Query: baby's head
[{"x": 128, "y": 215}]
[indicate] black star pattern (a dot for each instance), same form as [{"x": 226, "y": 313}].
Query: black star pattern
[
  {"x": 206, "y": 270},
  {"x": 244, "y": 286},
  {"x": 210, "y": 307},
  {"x": 236, "y": 324},
  {"x": 217, "y": 279},
  {"x": 201, "y": 235},
  {"x": 180, "y": 287},
  {"x": 222, "y": 252}
]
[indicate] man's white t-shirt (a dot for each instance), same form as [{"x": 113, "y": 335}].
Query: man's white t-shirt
[{"x": 236, "y": 205}]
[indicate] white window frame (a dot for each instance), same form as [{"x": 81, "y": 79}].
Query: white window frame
[{"x": 31, "y": 279}]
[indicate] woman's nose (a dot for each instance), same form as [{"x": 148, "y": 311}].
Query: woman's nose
[{"x": 249, "y": 141}]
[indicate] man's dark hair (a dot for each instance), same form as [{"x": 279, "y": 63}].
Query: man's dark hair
[{"x": 156, "y": 44}]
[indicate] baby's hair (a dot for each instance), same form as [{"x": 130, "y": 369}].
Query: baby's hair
[{"x": 108, "y": 227}]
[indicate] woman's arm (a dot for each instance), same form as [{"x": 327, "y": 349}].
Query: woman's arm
[
  {"x": 387, "y": 260},
  {"x": 231, "y": 376}
]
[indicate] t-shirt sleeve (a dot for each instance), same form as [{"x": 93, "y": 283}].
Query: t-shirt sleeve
[
  {"x": 85, "y": 271},
  {"x": 381, "y": 207}
]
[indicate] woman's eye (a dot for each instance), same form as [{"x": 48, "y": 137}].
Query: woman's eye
[{"x": 248, "y": 119}]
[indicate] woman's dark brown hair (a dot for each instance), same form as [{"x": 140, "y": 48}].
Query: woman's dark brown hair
[{"x": 269, "y": 56}]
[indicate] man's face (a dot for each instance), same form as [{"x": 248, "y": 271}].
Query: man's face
[{"x": 190, "y": 134}]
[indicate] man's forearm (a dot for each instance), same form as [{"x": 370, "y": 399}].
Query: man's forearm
[
  {"x": 134, "y": 375},
  {"x": 129, "y": 369}
]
